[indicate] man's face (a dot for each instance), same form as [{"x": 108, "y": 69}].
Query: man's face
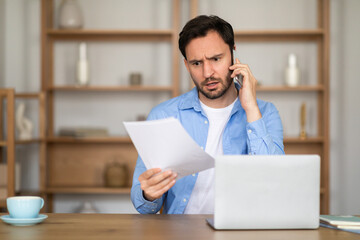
[{"x": 208, "y": 61}]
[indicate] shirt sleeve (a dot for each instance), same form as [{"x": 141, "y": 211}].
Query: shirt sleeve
[
  {"x": 265, "y": 136},
  {"x": 142, "y": 205}
]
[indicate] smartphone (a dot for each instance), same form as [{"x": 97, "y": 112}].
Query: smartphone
[{"x": 238, "y": 78}]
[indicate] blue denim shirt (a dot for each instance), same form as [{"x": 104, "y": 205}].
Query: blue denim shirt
[{"x": 264, "y": 136}]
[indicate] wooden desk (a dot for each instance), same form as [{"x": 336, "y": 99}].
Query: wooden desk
[{"x": 170, "y": 227}]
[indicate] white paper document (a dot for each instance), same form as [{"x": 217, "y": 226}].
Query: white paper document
[{"x": 165, "y": 144}]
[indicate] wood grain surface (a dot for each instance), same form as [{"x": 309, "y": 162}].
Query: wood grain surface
[{"x": 134, "y": 226}]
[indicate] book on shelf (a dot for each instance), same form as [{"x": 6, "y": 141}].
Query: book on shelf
[{"x": 83, "y": 132}]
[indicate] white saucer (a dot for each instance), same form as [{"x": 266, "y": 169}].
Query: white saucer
[{"x": 23, "y": 221}]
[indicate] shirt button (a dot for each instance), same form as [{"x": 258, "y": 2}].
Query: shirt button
[
  {"x": 206, "y": 122},
  {"x": 250, "y": 153},
  {"x": 153, "y": 210},
  {"x": 193, "y": 174},
  {"x": 249, "y": 131},
  {"x": 202, "y": 148},
  {"x": 184, "y": 200}
]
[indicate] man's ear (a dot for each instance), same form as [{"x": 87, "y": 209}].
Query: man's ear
[{"x": 186, "y": 65}]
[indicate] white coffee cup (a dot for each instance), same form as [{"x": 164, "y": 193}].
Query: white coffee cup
[{"x": 24, "y": 206}]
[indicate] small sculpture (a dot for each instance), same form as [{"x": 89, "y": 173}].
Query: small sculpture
[
  {"x": 23, "y": 124},
  {"x": 87, "y": 207},
  {"x": 141, "y": 117},
  {"x": 303, "y": 121},
  {"x": 135, "y": 79},
  {"x": 115, "y": 175}
]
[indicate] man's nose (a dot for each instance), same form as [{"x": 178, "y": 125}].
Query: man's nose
[{"x": 208, "y": 69}]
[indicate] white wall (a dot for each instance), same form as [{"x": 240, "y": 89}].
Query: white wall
[
  {"x": 14, "y": 31},
  {"x": 2, "y": 41},
  {"x": 345, "y": 111},
  {"x": 19, "y": 47}
]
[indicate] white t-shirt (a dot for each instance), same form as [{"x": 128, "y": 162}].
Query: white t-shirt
[{"x": 202, "y": 197}]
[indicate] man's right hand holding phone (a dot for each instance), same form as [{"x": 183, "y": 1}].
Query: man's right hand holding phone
[
  {"x": 247, "y": 94},
  {"x": 155, "y": 183}
]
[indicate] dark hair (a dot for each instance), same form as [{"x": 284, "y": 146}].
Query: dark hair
[{"x": 200, "y": 26}]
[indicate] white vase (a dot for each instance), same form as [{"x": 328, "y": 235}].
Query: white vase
[
  {"x": 82, "y": 67},
  {"x": 70, "y": 16},
  {"x": 292, "y": 73}
]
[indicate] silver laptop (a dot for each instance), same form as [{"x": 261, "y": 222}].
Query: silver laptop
[{"x": 266, "y": 192}]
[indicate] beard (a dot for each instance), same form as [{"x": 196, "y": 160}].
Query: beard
[{"x": 224, "y": 85}]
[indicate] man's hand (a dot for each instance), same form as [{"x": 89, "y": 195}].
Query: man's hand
[
  {"x": 247, "y": 94},
  {"x": 154, "y": 184}
]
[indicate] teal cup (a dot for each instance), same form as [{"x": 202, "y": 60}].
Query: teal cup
[{"x": 24, "y": 206}]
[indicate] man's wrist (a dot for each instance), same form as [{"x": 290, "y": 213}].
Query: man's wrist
[
  {"x": 147, "y": 198},
  {"x": 253, "y": 114}
]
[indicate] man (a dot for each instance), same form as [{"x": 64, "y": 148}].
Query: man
[{"x": 219, "y": 115}]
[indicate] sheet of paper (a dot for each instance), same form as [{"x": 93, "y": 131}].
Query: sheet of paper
[{"x": 165, "y": 144}]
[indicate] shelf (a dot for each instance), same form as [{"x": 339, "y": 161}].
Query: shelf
[
  {"x": 296, "y": 140},
  {"x": 110, "y": 35},
  {"x": 165, "y": 35},
  {"x": 128, "y": 140},
  {"x": 89, "y": 140},
  {"x": 27, "y": 95},
  {"x": 3, "y": 144},
  {"x": 28, "y": 193},
  {"x": 317, "y": 88},
  {"x": 279, "y": 35},
  {"x": 88, "y": 190},
  {"x": 30, "y": 141},
  {"x": 112, "y": 89}
]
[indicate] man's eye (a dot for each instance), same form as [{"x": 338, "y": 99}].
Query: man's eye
[
  {"x": 216, "y": 59},
  {"x": 196, "y": 63}
]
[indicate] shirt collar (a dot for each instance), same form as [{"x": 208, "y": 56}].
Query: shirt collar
[{"x": 191, "y": 100}]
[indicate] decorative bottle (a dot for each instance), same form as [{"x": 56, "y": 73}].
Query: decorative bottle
[
  {"x": 82, "y": 70},
  {"x": 292, "y": 74}
]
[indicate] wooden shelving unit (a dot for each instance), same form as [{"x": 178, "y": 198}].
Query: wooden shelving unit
[
  {"x": 86, "y": 157},
  {"x": 69, "y": 155}
]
